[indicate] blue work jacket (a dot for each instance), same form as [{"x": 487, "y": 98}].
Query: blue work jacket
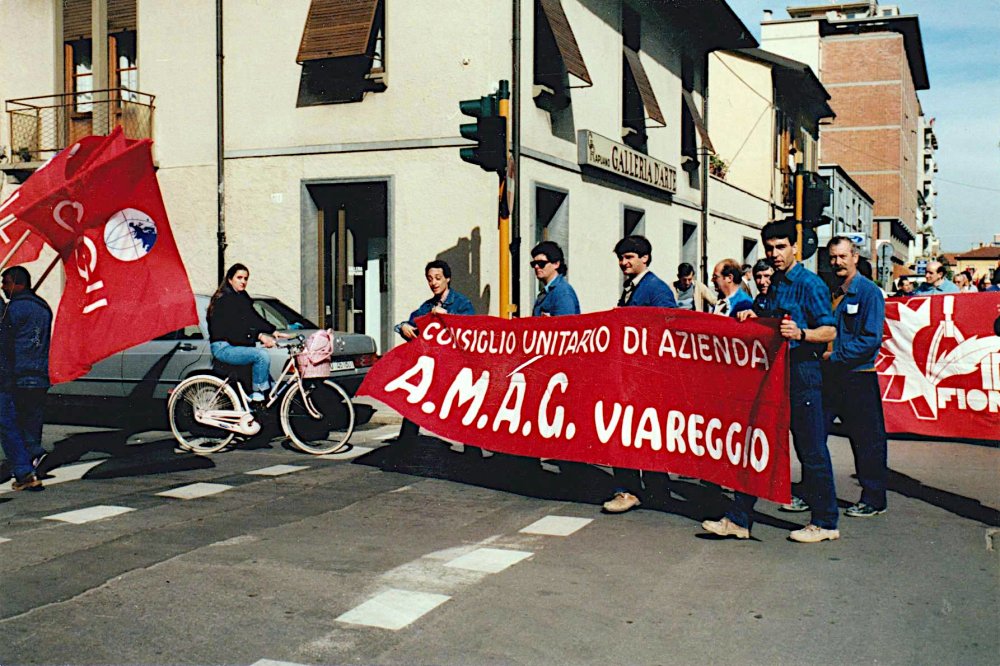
[
  {"x": 453, "y": 303},
  {"x": 25, "y": 332},
  {"x": 860, "y": 317},
  {"x": 652, "y": 292},
  {"x": 556, "y": 298}
]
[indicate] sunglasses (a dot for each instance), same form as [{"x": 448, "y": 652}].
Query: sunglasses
[{"x": 539, "y": 263}]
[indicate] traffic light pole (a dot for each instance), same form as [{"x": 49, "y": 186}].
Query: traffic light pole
[
  {"x": 503, "y": 220},
  {"x": 798, "y": 212}
]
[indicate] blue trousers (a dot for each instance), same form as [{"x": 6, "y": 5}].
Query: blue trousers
[
  {"x": 856, "y": 398},
  {"x": 255, "y": 356},
  {"x": 21, "y": 416},
  {"x": 809, "y": 437}
]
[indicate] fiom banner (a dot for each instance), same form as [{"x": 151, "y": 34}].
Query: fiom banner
[
  {"x": 940, "y": 366},
  {"x": 643, "y": 388}
]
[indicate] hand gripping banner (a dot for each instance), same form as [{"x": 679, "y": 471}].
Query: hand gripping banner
[{"x": 643, "y": 388}]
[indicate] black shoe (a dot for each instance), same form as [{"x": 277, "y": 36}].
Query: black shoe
[
  {"x": 29, "y": 482},
  {"x": 39, "y": 463},
  {"x": 862, "y": 510}
]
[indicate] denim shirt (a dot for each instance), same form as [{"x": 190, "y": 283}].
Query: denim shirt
[
  {"x": 945, "y": 287},
  {"x": 25, "y": 332},
  {"x": 557, "y": 298},
  {"x": 454, "y": 303},
  {"x": 806, "y": 298},
  {"x": 860, "y": 317}
]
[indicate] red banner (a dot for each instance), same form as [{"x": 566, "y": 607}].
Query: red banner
[
  {"x": 643, "y": 388},
  {"x": 940, "y": 366}
]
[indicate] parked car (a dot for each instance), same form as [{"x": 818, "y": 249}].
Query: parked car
[{"x": 143, "y": 375}]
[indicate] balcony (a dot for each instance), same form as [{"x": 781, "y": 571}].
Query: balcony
[{"x": 42, "y": 126}]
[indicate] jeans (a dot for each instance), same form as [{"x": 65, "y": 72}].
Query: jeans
[
  {"x": 11, "y": 440},
  {"x": 809, "y": 437},
  {"x": 255, "y": 356},
  {"x": 856, "y": 398}
]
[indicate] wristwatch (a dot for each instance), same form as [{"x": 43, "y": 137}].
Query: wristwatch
[{"x": 802, "y": 335}]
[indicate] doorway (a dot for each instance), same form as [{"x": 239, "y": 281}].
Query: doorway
[{"x": 346, "y": 229}]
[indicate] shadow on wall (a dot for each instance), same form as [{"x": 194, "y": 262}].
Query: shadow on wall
[{"x": 465, "y": 259}]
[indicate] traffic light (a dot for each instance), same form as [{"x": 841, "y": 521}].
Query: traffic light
[
  {"x": 816, "y": 196},
  {"x": 489, "y": 132}
]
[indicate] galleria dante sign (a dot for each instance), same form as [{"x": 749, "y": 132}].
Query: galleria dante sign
[{"x": 602, "y": 153}]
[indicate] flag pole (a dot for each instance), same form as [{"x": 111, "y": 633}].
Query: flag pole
[
  {"x": 13, "y": 251},
  {"x": 48, "y": 270}
]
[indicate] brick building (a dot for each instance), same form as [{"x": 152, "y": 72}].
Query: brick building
[{"x": 871, "y": 60}]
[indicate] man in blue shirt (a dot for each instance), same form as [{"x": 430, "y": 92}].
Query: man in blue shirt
[
  {"x": 762, "y": 274},
  {"x": 935, "y": 281},
  {"x": 850, "y": 383},
  {"x": 557, "y": 297},
  {"x": 444, "y": 300},
  {"x": 641, "y": 289},
  {"x": 727, "y": 276},
  {"x": 803, "y": 300}
]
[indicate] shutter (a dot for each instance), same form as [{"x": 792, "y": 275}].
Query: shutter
[
  {"x": 121, "y": 15},
  {"x": 645, "y": 89},
  {"x": 76, "y": 19},
  {"x": 706, "y": 142},
  {"x": 337, "y": 29},
  {"x": 565, "y": 39}
]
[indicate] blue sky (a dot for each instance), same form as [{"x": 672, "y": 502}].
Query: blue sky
[{"x": 962, "y": 49}]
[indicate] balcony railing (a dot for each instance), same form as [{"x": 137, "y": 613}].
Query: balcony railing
[{"x": 42, "y": 126}]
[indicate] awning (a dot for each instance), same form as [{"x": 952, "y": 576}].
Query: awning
[
  {"x": 565, "y": 40},
  {"x": 645, "y": 89},
  {"x": 338, "y": 29},
  {"x": 699, "y": 123}
]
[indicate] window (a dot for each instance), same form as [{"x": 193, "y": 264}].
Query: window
[
  {"x": 633, "y": 222},
  {"x": 557, "y": 56},
  {"x": 123, "y": 53},
  {"x": 80, "y": 74},
  {"x": 342, "y": 52},
  {"x": 750, "y": 251},
  {"x": 552, "y": 217},
  {"x": 638, "y": 99},
  {"x": 689, "y": 243}
]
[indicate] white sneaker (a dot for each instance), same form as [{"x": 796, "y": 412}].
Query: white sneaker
[
  {"x": 814, "y": 534},
  {"x": 725, "y": 528},
  {"x": 256, "y": 396}
]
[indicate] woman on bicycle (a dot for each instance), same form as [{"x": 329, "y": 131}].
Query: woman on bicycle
[{"x": 234, "y": 329}]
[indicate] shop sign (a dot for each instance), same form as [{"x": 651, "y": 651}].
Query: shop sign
[{"x": 602, "y": 153}]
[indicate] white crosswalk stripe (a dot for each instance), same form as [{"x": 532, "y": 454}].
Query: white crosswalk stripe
[
  {"x": 393, "y": 609},
  {"x": 195, "y": 491},
  {"x": 489, "y": 560},
  {"x": 277, "y": 470},
  {"x": 90, "y": 514},
  {"x": 556, "y": 525}
]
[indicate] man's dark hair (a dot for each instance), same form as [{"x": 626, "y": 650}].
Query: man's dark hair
[
  {"x": 18, "y": 275},
  {"x": 551, "y": 251},
  {"x": 761, "y": 266},
  {"x": 901, "y": 281},
  {"x": 439, "y": 263},
  {"x": 968, "y": 275},
  {"x": 638, "y": 244},
  {"x": 685, "y": 269},
  {"x": 731, "y": 268},
  {"x": 780, "y": 229},
  {"x": 865, "y": 267}
]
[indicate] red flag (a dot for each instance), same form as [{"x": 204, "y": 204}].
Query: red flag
[{"x": 125, "y": 282}]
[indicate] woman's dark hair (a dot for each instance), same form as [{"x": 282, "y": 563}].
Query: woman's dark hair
[
  {"x": 224, "y": 286},
  {"x": 439, "y": 263},
  {"x": 551, "y": 251}
]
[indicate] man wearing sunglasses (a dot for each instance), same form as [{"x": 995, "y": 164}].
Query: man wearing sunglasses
[
  {"x": 936, "y": 282},
  {"x": 557, "y": 296}
]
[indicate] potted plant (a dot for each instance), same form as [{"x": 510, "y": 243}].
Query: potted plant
[{"x": 717, "y": 166}]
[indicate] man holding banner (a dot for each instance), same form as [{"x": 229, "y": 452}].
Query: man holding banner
[
  {"x": 641, "y": 288},
  {"x": 803, "y": 301}
]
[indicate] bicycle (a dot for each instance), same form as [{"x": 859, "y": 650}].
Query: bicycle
[{"x": 206, "y": 413}]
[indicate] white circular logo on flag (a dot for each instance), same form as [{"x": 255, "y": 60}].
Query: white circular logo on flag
[{"x": 130, "y": 234}]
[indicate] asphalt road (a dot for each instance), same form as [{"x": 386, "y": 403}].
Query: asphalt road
[{"x": 392, "y": 555}]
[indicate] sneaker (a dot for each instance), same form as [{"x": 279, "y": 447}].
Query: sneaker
[
  {"x": 621, "y": 503},
  {"x": 797, "y": 505},
  {"x": 862, "y": 510},
  {"x": 29, "y": 482},
  {"x": 726, "y": 527},
  {"x": 813, "y": 534},
  {"x": 37, "y": 462},
  {"x": 256, "y": 396}
]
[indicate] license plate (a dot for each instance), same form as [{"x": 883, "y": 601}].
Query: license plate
[{"x": 341, "y": 365}]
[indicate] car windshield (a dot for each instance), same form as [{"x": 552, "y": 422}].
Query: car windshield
[{"x": 279, "y": 314}]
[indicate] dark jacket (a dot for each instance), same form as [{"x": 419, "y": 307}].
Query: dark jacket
[
  {"x": 25, "y": 333},
  {"x": 556, "y": 298},
  {"x": 652, "y": 292},
  {"x": 454, "y": 303},
  {"x": 234, "y": 320}
]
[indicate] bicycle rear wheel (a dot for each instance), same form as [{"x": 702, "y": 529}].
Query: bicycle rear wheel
[
  {"x": 328, "y": 433},
  {"x": 201, "y": 392}
]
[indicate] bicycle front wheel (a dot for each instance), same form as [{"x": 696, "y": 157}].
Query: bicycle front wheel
[
  {"x": 201, "y": 392},
  {"x": 327, "y": 426}
]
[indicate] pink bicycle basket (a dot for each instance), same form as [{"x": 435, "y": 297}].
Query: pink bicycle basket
[{"x": 314, "y": 360}]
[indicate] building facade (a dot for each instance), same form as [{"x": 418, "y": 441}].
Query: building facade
[
  {"x": 870, "y": 57},
  {"x": 339, "y": 138}
]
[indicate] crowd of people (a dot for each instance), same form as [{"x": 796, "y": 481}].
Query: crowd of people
[
  {"x": 936, "y": 282},
  {"x": 834, "y": 336}
]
